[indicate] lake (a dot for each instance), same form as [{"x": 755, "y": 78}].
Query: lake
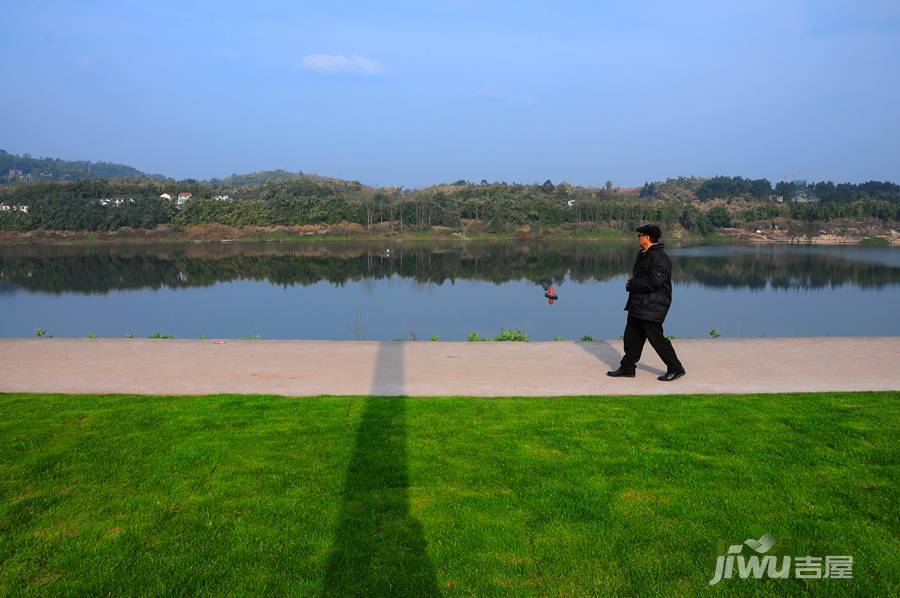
[{"x": 394, "y": 290}]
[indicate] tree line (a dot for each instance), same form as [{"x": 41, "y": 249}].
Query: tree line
[{"x": 292, "y": 199}]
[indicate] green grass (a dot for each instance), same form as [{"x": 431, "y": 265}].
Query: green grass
[
  {"x": 718, "y": 239},
  {"x": 603, "y": 235},
  {"x": 409, "y": 496},
  {"x": 875, "y": 242}
]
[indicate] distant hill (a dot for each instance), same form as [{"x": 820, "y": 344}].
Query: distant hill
[
  {"x": 22, "y": 169},
  {"x": 277, "y": 176}
]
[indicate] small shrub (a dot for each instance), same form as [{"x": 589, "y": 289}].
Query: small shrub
[
  {"x": 714, "y": 333},
  {"x": 474, "y": 337},
  {"x": 160, "y": 335},
  {"x": 92, "y": 335},
  {"x": 435, "y": 338},
  {"x": 587, "y": 338},
  {"x": 129, "y": 335},
  {"x": 557, "y": 338},
  {"x": 40, "y": 333},
  {"x": 515, "y": 336}
]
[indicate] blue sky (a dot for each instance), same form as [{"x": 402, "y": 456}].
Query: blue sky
[{"x": 414, "y": 93}]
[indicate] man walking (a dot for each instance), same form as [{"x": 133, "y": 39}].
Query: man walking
[{"x": 649, "y": 296}]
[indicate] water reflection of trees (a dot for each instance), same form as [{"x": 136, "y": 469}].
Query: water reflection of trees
[{"x": 101, "y": 269}]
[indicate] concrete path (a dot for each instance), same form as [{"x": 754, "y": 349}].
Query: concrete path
[{"x": 299, "y": 368}]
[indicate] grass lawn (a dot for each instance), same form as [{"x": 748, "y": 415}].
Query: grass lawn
[{"x": 407, "y": 496}]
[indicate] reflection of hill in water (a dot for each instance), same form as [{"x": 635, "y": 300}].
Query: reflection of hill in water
[
  {"x": 101, "y": 269},
  {"x": 792, "y": 267}
]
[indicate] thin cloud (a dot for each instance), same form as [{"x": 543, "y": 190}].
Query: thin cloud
[{"x": 338, "y": 64}]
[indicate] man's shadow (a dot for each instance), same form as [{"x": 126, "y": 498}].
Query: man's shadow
[
  {"x": 379, "y": 548},
  {"x": 605, "y": 352}
]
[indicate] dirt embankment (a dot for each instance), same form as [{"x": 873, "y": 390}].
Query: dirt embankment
[
  {"x": 171, "y": 233},
  {"x": 778, "y": 230},
  {"x": 167, "y": 233},
  {"x": 838, "y": 232}
]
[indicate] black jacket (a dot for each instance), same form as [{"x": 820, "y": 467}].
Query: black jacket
[{"x": 650, "y": 289}]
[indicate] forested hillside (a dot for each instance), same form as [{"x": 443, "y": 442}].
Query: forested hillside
[
  {"x": 16, "y": 169},
  {"x": 125, "y": 197}
]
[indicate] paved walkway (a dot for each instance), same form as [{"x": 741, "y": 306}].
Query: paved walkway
[{"x": 442, "y": 368}]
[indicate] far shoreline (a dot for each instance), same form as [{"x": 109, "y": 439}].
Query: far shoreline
[{"x": 214, "y": 233}]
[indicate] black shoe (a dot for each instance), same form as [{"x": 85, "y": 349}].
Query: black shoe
[
  {"x": 669, "y": 376},
  {"x": 620, "y": 373}
]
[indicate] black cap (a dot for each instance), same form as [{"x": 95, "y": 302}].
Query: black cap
[{"x": 651, "y": 230}]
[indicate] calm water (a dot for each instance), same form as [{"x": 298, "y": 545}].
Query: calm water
[{"x": 346, "y": 291}]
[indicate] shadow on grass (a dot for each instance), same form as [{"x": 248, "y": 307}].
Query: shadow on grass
[{"x": 379, "y": 548}]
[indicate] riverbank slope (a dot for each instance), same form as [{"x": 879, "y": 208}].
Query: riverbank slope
[{"x": 780, "y": 231}]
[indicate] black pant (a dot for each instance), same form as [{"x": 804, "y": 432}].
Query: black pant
[{"x": 636, "y": 332}]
